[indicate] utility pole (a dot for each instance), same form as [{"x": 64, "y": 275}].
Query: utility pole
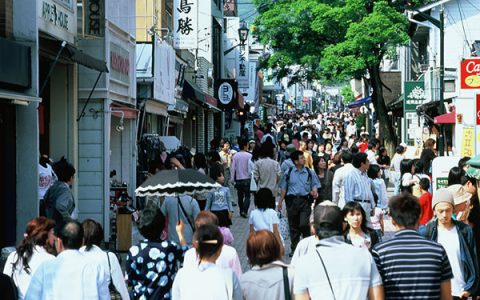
[{"x": 440, "y": 24}]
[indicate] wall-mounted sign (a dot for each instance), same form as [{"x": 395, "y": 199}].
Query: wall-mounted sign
[
  {"x": 56, "y": 20},
  {"x": 93, "y": 18},
  {"x": 119, "y": 63},
  {"x": 470, "y": 73},
  {"x": 242, "y": 66},
  {"x": 414, "y": 95},
  {"x": 477, "y": 114},
  {"x": 185, "y": 14},
  {"x": 226, "y": 93}
]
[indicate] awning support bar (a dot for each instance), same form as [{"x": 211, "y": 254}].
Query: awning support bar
[
  {"x": 51, "y": 68},
  {"x": 82, "y": 114}
]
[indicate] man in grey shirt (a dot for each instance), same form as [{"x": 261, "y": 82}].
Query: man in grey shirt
[{"x": 183, "y": 208}]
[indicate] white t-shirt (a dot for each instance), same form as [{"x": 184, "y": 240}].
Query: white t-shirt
[
  {"x": 449, "y": 240},
  {"x": 228, "y": 259},
  {"x": 263, "y": 219},
  {"x": 45, "y": 180}
]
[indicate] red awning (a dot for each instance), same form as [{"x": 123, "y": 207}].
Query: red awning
[
  {"x": 127, "y": 112},
  {"x": 445, "y": 118}
]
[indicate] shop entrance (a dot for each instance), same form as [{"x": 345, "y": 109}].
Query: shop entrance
[{"x": 7, "y": 175}]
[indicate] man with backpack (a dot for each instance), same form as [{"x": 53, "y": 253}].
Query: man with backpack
[{"x": 299, "y": 187}]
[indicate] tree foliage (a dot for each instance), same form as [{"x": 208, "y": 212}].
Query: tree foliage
[{"x": 347, "y": 94}]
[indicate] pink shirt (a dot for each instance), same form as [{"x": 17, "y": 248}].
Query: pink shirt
[
  {"x": 228, "y": 259},
  {"x": 239, "y": 166}
]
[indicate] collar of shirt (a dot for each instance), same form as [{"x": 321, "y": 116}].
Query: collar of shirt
[
  {"x": 205, "y": 266},
  {"x": 360, "y": 172},
  {"x": 331, "y": 241},
  {"x": 406, "y": 231},
  {"x": 277, "y": 263}
]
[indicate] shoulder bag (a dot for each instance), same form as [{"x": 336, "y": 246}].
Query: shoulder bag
[
  {"x": 286, "y": 284},
  {"x": 185, "y": 214},
  {"x": 114, "y": 294},
  {"x": 326, "y": 274}
]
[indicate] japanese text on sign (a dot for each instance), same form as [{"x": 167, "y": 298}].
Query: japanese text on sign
[
  {"x": 468, "y": 139},
  {"x": 186, "y": 24}
]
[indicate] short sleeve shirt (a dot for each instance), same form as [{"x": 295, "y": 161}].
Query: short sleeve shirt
[{"x": 263, "y": 219}]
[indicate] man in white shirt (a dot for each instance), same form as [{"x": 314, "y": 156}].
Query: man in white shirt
[
  {"x": 338, "y": 192},
  {"x": 372, "y": 152},
  {"x": 351, "y": 129},
  {"x": 70, "y": 275},
  {"x": 320, "y": 274}
]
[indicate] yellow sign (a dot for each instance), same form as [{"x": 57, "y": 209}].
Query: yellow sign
[{"x": 468, "y": 142}]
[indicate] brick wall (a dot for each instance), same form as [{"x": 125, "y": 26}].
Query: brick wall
[{"x": 6, "y": 18}]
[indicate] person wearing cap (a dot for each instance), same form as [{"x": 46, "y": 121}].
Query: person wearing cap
[
  {"x": 412, "y": 267},
  {"x": 457, "y": 239},
  {"x": 299, "y": 187},
  {"x": 335, "y": 269}
]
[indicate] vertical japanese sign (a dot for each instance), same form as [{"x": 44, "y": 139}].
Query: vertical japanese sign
[
  {"x": 414, "y": 92},
  {"x": 185, "y": 13},
  {"x": 468, "y": 140},
  {"x": 242, "y": 65}
]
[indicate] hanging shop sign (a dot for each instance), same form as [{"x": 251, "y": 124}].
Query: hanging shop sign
[
  {"x": 242, "y": 66},
  {"x": 56, "y": 20},
  {"x": 468, "y": 142},
  {"x": 470, "y": 73},
  {"x": 414, "y": 95},
  {"x": 93, "y": 18},
  {"x": 185, "y": 13},
  {"x": 226, "y": 93},
  {"x": 119, "y": 63}
]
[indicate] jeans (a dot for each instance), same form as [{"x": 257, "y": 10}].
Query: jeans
[
  {"x": 243, "y": 192},
  {"x": 298, "y": 211}
]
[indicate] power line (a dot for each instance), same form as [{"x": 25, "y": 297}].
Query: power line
[
  {"x": 463, "y": 25},
  {"x": 474, "y": 6}
]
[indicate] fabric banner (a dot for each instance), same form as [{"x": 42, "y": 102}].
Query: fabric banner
[
  {"x": 164, "y": 70},
  {"x": 468, "y": 142},
  {"x": 185, "y": 14}
]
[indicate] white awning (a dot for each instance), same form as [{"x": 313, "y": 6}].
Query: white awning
[
  {"x": 156, "y": 108},
  {"x": 17, "y": 98}
]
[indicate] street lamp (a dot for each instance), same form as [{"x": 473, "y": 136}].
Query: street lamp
[{"x": 242, "y": 35}]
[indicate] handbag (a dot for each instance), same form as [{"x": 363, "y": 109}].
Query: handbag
[
  {"x": 283, "y": 227},
  {"x": 114, "y": 294},
  {"x": 286, "y": 284}
]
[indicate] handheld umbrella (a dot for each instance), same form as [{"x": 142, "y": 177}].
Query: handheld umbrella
[{"x": 176, "y": 183}]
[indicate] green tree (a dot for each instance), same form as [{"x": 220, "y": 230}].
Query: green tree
[
  {"x": 334, "y": 40},
  {"x": 347, "y": 94}
]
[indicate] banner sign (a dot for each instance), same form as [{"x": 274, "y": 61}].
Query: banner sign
[
  {"x": 414, "y": 95},
  {"x": 468, "y": 140},
  {"x": 242, "y": 66},
  {"x": 93, "y": 18},
  {"x": 185, "y": 13},
  {"x": 226, "y": 93},
  {"x": 470, "y": 73}
]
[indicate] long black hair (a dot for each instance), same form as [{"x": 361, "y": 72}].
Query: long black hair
[{"x": 351, "y": 207}]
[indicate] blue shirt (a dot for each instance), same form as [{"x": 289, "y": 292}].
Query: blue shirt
[
  {"x": 300, "y": 183},
  {"x": 357, "y": 186},
  {"x": 219, "y": 199}
]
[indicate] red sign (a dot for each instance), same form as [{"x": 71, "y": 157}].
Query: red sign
[
  {"x": 470, "y": 73},
  {"x": 478, "y": 110}
]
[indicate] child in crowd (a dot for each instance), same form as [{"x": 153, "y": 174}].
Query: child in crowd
[
  {"x": 425, "y": 201},
  {"x": 377, "y": 222},
  {"x": 219, "y": 201},
  {"x": 378, "y": 184},
  {"x": 264, "y": 217}
]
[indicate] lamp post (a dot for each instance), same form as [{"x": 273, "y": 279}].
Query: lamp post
[{"x": 242, "y": 36}]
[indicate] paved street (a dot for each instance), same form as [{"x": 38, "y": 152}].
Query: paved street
[{"x": 240, "y": 232}]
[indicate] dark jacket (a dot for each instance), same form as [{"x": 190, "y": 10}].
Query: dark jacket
[
  {"x": 59, "y": 203},
  {"x": 467, "y": 251}
]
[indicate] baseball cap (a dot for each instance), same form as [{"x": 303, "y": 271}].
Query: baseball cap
[
  {"x": 442, "y": 195},
  {"x": 291, "y": 148},
  {"x": 460, "y": 195},
  {"x": 327, "y": 215}
]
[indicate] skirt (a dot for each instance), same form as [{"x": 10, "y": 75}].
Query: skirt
[{"x": 223, "y": 219}]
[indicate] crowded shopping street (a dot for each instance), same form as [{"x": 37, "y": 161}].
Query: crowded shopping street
[{"x": 240, "y": 150}]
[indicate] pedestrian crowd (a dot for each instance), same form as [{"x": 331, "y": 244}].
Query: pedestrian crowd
[{"x": 318, "y": 181}]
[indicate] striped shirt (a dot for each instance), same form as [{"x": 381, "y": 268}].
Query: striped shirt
[
  {"x": 411, "y": 266},
  {"x": 357, "y": 186}
]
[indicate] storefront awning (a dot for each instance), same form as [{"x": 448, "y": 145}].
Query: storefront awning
[
  {"x": 192, "y": 91},
  {"x": 86, "y": 60},
  {"x": 17, "y": 98},
  {"x": 156, "y": 108},
  {"x": 448, "y": 118},
  {"x": 126, "y": 112},
  {"x": 360, "y": 102}
]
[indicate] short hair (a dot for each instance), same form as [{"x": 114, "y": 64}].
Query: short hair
[
  {"x": 63, "y": 169},
  {"x": 424, "y": 184},
  {"x": 455, "y": 175},
  {"x": 264, "y": 199},
  {"x": 405, "y": 210},
  {"x": 354, "y": 149},
  {"x": 295, "y": 155},
  {"x": 418, "y": 166},
  {"x": 466, "y": 179},
  {"x": 358, "y": 159},
  {"x": 92, "y": 233},
  {"x": 463, "y": 161},
  {"x": 242, "y": 143},
  {"x": 400, "y": 149},
  {"x": 347, "y": 157},
  {"x": 406, "y": 166},
  {"x": 267, "y": 150},
  {"x": 71, "y": 235},
  {"x": 373, "y": 171},
  {"x": 263, "y": 248},
  {"x": 208, "y": 240},
  {"x": 151, "y": 223},
  {"x": 205, "y": 217}
]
